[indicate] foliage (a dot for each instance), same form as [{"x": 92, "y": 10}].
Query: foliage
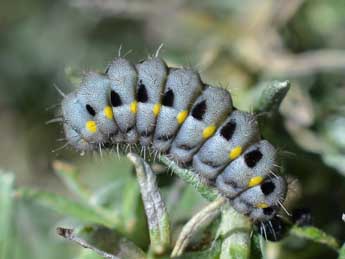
[{"x": 238, "y": 44}]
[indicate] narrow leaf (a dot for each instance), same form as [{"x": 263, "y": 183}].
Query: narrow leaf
[
  {"x": 69, "y": 207},
  {"x": 271, "y": 96},
  {"x": 69, "y": 175},
  {"x": 316, "y": 235},
  {"x": 103, "y": 241},
  {"x": 6, "y": 211}
]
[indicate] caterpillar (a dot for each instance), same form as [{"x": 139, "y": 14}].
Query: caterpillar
[{"x": 171, "y": 111}]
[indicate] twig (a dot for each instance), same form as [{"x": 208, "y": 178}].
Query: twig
[
  {"x": 194, "y": 224},
  {"x": 69, "y": 235}
]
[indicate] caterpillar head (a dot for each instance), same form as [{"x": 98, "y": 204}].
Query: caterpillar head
[
  {"x": 123, "y": 80},
  {"x": 75, "y": 140},
  {"x": 238, "y": 131},
  {"x": 81, "y": 129},
  {"x": 93, "y": 95},
  {"x": 152, "y": 74},
  {"x": 248, "y": 170},
  {"x": 263, "y": 201},
  {"x": 207, "y": 112},
  {"x": 182, "y": 88}
]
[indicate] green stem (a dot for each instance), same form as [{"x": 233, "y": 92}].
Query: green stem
[{"x": 208, "y": 192}]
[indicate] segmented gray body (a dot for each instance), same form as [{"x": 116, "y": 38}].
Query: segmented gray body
[{"x": 171, "y": 111}]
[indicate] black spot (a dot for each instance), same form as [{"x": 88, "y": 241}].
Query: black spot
[
  {"x": 228, "y": 130},
  {"x": 168, "y": 98},
  {"x": 129, "y": 129},
  {"x": 90, "y": 110},
  {"x": 302, "y": 217},
  {"x": 115, "y": 99},
  {"x": 142, "y": 93},
  {"x": 252, "y": 158},
  {"x": 267, "y": 187},
  {"x": 199, "y": 110},
  {"x": 268, "y": 211}
]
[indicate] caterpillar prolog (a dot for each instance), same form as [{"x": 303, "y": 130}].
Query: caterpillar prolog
[{"x": 171, "y": 111}]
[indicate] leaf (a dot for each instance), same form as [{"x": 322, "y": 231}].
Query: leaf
[
  {"x": 212, "y": 253},
  {"x": 316, "y": 235},
  {"x": 69, "y": 175},
  {"x": 88, "y": 254},
  {"x": 103, "y": 241},
  {"x": 235, "y": 229},
  {"x": 6, "y": 211},
  {"x": 256, "y": 249},
  {"x": 72, "y": 208},
  {"x": 272, "y": 94},
  {"x": 155, "y": 208},
  {"x": 208, "y": 192},
  {"x": 342, "y": 252}
]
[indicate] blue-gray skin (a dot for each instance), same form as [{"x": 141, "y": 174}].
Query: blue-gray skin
[
  {"x": 76, "y": 118},
  {"x": 262, "y": 202},
  {"x": 207, "y": 112},
  {"x": 152, "y": 74},
  {"x": 249, "y": 169},
  {"x": 123, "y": 81},
  {"x": 93, "y": 95},
  {"x": 239, "y": 130},
  {"x": 183, "y": 86},
  {"x": 74, "y": 139}
]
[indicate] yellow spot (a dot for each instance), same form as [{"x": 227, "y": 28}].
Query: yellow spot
[
  {"x": 108, "y": 112},
  {"x": 208, "y": 131},
  {"x": 91, "y": 126},
  {"x": 255, "y": 181},
  {"x": 262, "y": 205},
  {"x": 133, "y": 107},
  {"x": 235, "y": 152},
  {"x": 181, "y": 116},
  {"x": 156, "y": 109}
]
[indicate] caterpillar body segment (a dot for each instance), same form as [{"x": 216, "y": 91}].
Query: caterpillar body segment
[
  {"x": 261, "y": 202},
  {"x": 248, "y": 170},
  {"x": 93, "y": 95},
  {"x": 183, "y": 86},
  {"x": 152, "y": 74},
  {"x": 207, "y": 112},
  {"x": 237, "y": 132},
  {"x": 173, "y": 112},
  {"x": 123, "y": 81}
]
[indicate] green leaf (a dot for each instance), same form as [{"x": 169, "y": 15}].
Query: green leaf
[
  {"x": 208, "y": 192},
  {"x": 69, "y": 175},
  {"x": 272, "y": 94},
  {"x": 6, "y": 211},
  {"x": 235, "y": 229},
  {"x": 212, "y": 253},
  {"x": 72, "y": 208},
  {"x": 342, "y": 252},
  {"x": 256, "y": 249},
  {"x": 88, "y": 254},
  {"x": 316, "y": 235},
  {"x": 110, "y": 241}
]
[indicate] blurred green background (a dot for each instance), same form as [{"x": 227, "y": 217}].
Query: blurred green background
[{"x": 234, "y": 44}]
